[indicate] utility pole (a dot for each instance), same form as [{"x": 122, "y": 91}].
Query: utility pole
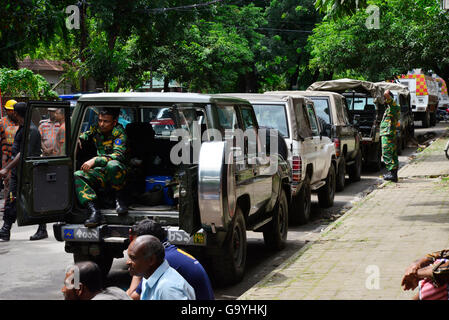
[{"x": 83, "y": 41}]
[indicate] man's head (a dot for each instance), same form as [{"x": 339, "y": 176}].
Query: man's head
[
  {"x": 388, "y": 96},
  {"x": 107, "y": 119},
  {"x": 59, "y": 115},
  {"x": 9, "y": 107},
  {"x": 90, "y": 281},
  {"x": 51, "y": 113},
  {"x": 148, "y": 226},
  {"x": 20, "y": 111},
  {"x": 145, "y": 254}
]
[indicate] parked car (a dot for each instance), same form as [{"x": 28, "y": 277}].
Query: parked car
[
  {"x": 214, "y": 199},
  {"x": 402, "y": 97},
  {"x": 336, "y": 124},
  {"x": 366, "y": 107},
  {"x": 312, "y": 155}
]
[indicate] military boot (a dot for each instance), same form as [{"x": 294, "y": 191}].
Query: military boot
[
  {"x": 95, "y": 215},
  {"x": 120, "y": 203},
  {"x": 5, "y": 232},
  {"x": 391, "y": 175},
  {"x": 41, "y": 233}
]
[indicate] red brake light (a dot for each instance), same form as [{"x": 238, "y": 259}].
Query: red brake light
[
  {"x": 337, "y": 147},
  {"x": 296, "y": 168}
]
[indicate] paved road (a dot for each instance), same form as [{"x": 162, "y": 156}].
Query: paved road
[{"x": 35, "y": 270}]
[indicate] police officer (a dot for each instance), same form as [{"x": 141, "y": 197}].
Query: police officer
[
  {"x": 20, "y": 109},
  {"x": 388, "y": 136},
  {"x": 109, "y": 167}
]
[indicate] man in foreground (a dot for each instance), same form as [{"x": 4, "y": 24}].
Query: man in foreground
[
  {"x": 146, "y": 258},
  {"x": 89, "y": 285},
  {"x": 186, "y": 265}
]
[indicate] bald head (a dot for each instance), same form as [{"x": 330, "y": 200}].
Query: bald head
[
  {"x": 145, "y": 254},
  {"x": 148, "y": 245}
]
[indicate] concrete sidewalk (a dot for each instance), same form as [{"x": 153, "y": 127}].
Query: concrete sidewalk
[{"x": 364, "y": 254}]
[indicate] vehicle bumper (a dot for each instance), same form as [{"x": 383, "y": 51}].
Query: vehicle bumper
[{"x": 120, "y": 234}]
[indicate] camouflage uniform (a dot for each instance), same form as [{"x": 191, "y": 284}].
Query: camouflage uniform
[
  {"x": 110, "y": 166},
  {"x": 388, "y": 135}
]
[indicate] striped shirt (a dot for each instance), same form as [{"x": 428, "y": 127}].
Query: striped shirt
[{"x": 8, "y": 129}]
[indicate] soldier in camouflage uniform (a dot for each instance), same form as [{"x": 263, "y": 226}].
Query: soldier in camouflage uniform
[
  {"x": 108, "y": 168},
  {"x": 388, "y": 136}
]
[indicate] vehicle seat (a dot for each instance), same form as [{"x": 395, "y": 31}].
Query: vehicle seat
[
  {"x": 140, "y": 139},
  {"x": 371, "y": 108}
]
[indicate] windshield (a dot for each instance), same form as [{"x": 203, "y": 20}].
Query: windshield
[{"x": 272, "y": 116}]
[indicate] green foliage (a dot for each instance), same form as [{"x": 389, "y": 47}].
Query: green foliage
[
  {"x": 24, "y": 23},
  {"x": 230, "y": 46},
  {"x": 411, "y": 35},
  {"x": 24, "y": 83}
]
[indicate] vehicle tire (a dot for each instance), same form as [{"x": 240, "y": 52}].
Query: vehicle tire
[
  {"x": 399, "y": 144},
  {"x": 103, "y": 260},
  {"x": 301, "y": 205},
  {"x": 426, "y": 120},
  {"x": 326, "y": 193},
  {"x": 433, "y": 119},
  {"x": 355, "y": 171},
  {"x": 275, "y": 232},
  {"x": 229, "y": 266},
  {"x": 341, "y": 175},
  {"x": 376, "y": 164}
]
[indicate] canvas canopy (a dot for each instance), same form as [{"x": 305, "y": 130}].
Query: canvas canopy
[
  {"x": 399, "y": 88},
  {"x": 343, "y": 85}
]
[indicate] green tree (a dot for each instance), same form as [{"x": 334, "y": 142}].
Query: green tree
[
  {"x": 23, "y": 23},
  {"x": 411, "y": 35},
  {"x": 24, "y": 83},
  {"x": 285, "y": 54}
]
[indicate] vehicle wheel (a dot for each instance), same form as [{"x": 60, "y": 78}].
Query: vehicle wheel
[
  {"x": 103, "y": 260},
  {"x": 341, "y": 175},
  {"x": 399, "y": 145},
  {"x": 275, "y": 233},
  {"x": 326, "y": 193},
  {"x": 426, "y": 120},
  {"x": 229, "y": 266},
  {"x": 355, "y": 171},
  {"x": 377, "y": 162},
  {"x": 433, "y": 119},
  {"x": 301, "y": 204}
]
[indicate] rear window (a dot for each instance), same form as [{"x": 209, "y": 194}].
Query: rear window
[
  {"x": 360, "y": 103},
  {"x": 322, "y": 109},
  {"x": 272, "y": 116}
]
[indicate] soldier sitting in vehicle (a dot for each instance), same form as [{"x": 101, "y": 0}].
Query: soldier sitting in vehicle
[{"x": 109, "y": 167}]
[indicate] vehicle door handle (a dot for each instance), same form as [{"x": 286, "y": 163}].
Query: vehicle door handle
[
  {"x": 51, "y": 177},
  {"x": 40, "y": 163}
]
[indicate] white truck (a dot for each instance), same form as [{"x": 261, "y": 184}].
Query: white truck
[{"x": 424, "y": 94}]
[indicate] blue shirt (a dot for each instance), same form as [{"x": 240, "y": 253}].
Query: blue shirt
[
  {"x": 190, "y": 269},
  {"x": 166, "y": 284}
]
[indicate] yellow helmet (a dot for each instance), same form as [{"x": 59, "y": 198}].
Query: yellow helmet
[{"x": 10, "y": 104}]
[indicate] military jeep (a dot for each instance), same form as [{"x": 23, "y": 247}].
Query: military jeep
[
  {"x": 212, "y": 186},
  {"x": 366, "y": 107}
]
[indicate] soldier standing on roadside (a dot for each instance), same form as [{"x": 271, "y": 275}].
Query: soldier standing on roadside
[{"x": 389, "y": 137}]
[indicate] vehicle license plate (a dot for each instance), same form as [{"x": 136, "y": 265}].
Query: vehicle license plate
[{"x": 79, "y": 233}]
